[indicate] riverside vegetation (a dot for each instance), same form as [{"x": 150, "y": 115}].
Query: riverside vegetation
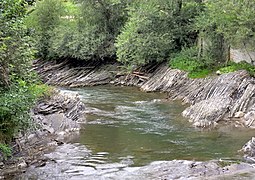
[
  {"x": 135, "y": 33},
  {"x": 18, "y": 85}
]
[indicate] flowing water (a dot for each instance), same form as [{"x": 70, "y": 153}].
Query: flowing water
[
  {"x": 126, "y": 122},
  {"x": 132, "y": 128}
]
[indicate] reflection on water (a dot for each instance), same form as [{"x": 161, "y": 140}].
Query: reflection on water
[{"x": 144, "y": 127}]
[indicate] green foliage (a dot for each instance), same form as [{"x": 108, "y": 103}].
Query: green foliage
[
  {"x": 45, "y": 19},
  {"x": 5, "y": 150},
  {"x": 15, "y": 105},
  {"x": 233, "y": 18},
  {"x": 200, "y": 73},
  {"x": 156, "y": 29},
  {"x": 79, "y": 29},
  {"x": 85, "y": 44},
  {"x": 187, "y": 60},
  {"x": 232, "y": 67},
  {"x": 15, "y": 45},
  {"x": 17, "y": 89},
  {"x": 97, "y": 29},
  {"x": 11, "y": 9}
]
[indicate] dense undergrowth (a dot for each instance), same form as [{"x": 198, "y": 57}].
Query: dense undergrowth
[{"x": 19, "y": 86}]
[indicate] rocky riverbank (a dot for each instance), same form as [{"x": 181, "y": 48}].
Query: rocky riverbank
[
  {"x": 72, "y": 164},
  {"x": 228, "y": 97},
  {"x": 57, "y": 119}
]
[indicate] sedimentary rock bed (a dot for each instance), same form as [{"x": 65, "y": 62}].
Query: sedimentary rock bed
[
  {"x": 228, "y": 97},
  {"x": 212, "y": 99},
  {"x": 56, "y": 119}
]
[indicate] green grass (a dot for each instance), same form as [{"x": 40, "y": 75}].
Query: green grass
[
  {"x": 232, "y": 67},
  {"x": 201, "y": 73},
  {"x": 187, "y": 61}
]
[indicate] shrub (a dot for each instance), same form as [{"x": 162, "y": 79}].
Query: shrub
[
  {"x": 5, "y": 150},
  {"x": 232, "y": 67},
  {"x": 18, "y": 89},
  {"x": 187, "y": 60},
  {"x": 15, "y": 104}
]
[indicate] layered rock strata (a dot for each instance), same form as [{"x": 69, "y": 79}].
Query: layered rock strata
[
  {"x": 249, "y": 150},
  {"x": 57, "y": 120},
  {"x": 228, "y": 97}
]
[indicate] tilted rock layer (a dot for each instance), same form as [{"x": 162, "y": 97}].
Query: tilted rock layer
[
  {"x": 57, "y": 119},
  {"x": 227, "y": 97}
]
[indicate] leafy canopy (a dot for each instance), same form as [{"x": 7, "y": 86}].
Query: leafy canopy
[{"x": 156, "y": 29}]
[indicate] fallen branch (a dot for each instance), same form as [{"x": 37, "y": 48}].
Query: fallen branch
[{"x": 143, "y": 77}]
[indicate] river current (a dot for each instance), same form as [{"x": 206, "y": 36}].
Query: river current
[{"x": 129, "y": 128}]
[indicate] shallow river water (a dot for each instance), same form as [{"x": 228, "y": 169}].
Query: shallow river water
[
  {"x": 126, "y": 127},
  {"x": 146, "y": 127}
]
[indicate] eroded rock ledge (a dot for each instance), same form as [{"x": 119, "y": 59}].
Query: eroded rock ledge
[
  {"x": 57, "y": 119},
  {"x": 229, "y": 97}
]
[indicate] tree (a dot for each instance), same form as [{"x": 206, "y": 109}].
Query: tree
[
  {"x": 15, "y": 44},
  {"x": 82, "y": 29},
  {"x": 17, "y": 88},
  {"x": 156, "y": 29},
  {"x": 45, "y": 19},
  {"x": 228, "y": 21}
]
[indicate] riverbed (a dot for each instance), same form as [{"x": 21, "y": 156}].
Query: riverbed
[{"x": 129, "y": 128}]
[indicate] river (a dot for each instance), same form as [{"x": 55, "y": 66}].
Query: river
[{"x": 129, "y": 128}]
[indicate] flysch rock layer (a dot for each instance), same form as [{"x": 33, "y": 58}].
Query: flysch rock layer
[
  {"x": 227, "y": 97},
  {"x": 57, "y": 119}
]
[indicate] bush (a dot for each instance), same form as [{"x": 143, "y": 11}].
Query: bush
[
  {"x": 16, "y": 51},
  {"x": 187, "y": 60},
  {"x": 232, "y": 67},
  {"x": 18, "y": 89},
  {"x": 5, "y": 150},
  {"x": 15, "y": 104}
]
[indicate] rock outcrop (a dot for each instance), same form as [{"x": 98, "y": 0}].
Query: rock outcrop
[
  {"x": 75, "y": 74},
  {"x": 249, "y": 150},
  {"x": 229, "y": 97},
  {"x": 212, "y": 99},
  {"x": 57, "y": 120}
]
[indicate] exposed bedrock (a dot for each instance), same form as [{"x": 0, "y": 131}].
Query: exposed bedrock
[
  {"x": 249, "y": 150},
  {"x": 68, "y": 73},
  {"x": 228, "y": 97},
  {"x": 57, "y": 120}
]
